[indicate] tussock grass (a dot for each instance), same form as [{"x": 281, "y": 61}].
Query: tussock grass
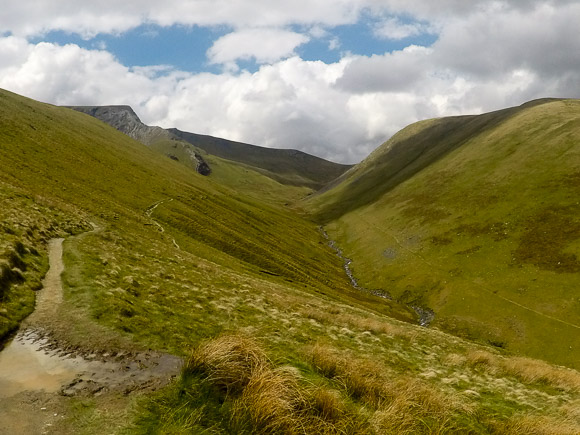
[
  {"x": 359, "y": 321},
  {"x": 230, "y": 386},
  {"x": 228, "y": 362},
  {"x": 526, "y": 370},
  {"x": 536, "y": 425},
  {"x": 535, "y": 371},
  {"x": 272, "y": 402},
  {"x": 401, "y": 404}
]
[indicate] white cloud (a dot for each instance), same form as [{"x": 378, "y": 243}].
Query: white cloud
[
  {"x": 334, "y": 44},
  {"x": 68, "y": 74},
  {"x": 488, "y": 55},
  {"x": 393, "y": 28},
  {"x": 263, "y": 45},
  {"x": 111, "y": 16}
]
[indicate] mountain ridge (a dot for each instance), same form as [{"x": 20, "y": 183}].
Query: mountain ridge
[
  {"x": 286, "y": 166},
  {"x": 409, "y": 151},
  {"x": 124, "y": 119}
]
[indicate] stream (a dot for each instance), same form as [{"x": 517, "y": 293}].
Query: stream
[{"x": 426, "y": 315}]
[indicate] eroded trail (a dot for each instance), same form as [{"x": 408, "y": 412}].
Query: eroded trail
[
  {"x": 24, "y": 364},
  {"x": 50, "y": 297},
  {"x": 37, "y": 377}
]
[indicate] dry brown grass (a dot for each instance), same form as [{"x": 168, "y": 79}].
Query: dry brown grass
[
  {"x": 271, "y": 402},
  {"x": 265, "y": 399},
  {"x": 537, "y": 425},
  {"x": 535, "y": 371},
  {"x": 401, "y": 404},
  {"x": 526, "y": 370},
  {"x": 359, "y": 322},
  {"x": 229, "y": 362},
  {"x": 361, "y": 379},
  {"x": 328, "y": 404},
  {"x": 481, "y": 358}
]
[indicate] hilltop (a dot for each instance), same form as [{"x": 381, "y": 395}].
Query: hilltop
[
  {"x": 273, "y": 336},
  {"x": 476, "y": 218}
]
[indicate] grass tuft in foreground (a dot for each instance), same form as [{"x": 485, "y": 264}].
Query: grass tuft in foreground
[{"x": 229, "y": 385}]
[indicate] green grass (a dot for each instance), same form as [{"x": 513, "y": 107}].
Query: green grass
[
  {"x": 289, "y": 167},
  {"x": 227, "y": 264},
  {"x": 487, "y": 235},
  {"x": 27, "y": 223},
  {"x": 91, "y": 169}
]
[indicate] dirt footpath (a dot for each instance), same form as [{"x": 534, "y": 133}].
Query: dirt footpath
[{"x": 40, "y": 380}]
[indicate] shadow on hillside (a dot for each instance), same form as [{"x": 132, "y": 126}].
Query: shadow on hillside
[{"x": 410, "y": 156}]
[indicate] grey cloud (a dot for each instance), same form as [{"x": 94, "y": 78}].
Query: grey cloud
[
  {"x": 110, "y": 16},
  {"x": 543, "y": 40},
  {"x": 396, "y": 72}
]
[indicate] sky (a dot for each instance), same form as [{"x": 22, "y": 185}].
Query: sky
[{"x": 333, "y": 78}]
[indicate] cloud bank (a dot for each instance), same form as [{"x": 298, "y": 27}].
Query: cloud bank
[{"x": 487, "y": 55}]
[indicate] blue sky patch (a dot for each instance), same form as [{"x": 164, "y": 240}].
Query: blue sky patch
[{"x": 185, "y": 47}]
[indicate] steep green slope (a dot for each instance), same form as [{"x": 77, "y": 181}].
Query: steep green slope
[
  {"x": 478, "y": 219},
  {"x": 411, "y": 150}
]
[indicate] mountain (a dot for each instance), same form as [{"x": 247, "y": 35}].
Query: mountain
[
  {"x": 476, "y": 218},
  {"x": 289, "y": 167},
  {"x": 283, "y": 165},
  {"x": 250, "y": 294},
  {"x": 124, "y": 119}
]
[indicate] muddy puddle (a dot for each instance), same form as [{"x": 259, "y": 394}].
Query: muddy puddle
[
  {"x": 31, "y": 362},
  {"x": 27, "y": 365}
]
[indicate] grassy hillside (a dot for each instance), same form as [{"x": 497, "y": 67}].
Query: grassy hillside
[
  {"x": 478, "y": 219},
  {"x": 285, "y": 166},
  {"x": 275, "y": 337},
  {"x": 76, "y": 160},
  {"x": 243, "y": 178},
  {"x": 407, "y": 153}
]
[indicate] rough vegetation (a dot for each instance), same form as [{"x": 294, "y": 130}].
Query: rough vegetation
[
  {"x": 248, "y": 292},
  {"x": 232, "y": 386}
]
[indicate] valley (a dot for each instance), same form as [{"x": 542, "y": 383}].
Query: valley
[
  {"x": 485, "y": 234},
  {"x": 231, "y": 274}
]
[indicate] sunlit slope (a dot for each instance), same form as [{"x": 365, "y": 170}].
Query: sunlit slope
[
  {"x": 286, "y": 166},
  {"x": 82, "y": 167},
  {"x": 243, "y": 178},
  {"x": 59, "y": 153},
  {"x": 264, "y": 173},
  {"x": 487, "y": 234}
]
